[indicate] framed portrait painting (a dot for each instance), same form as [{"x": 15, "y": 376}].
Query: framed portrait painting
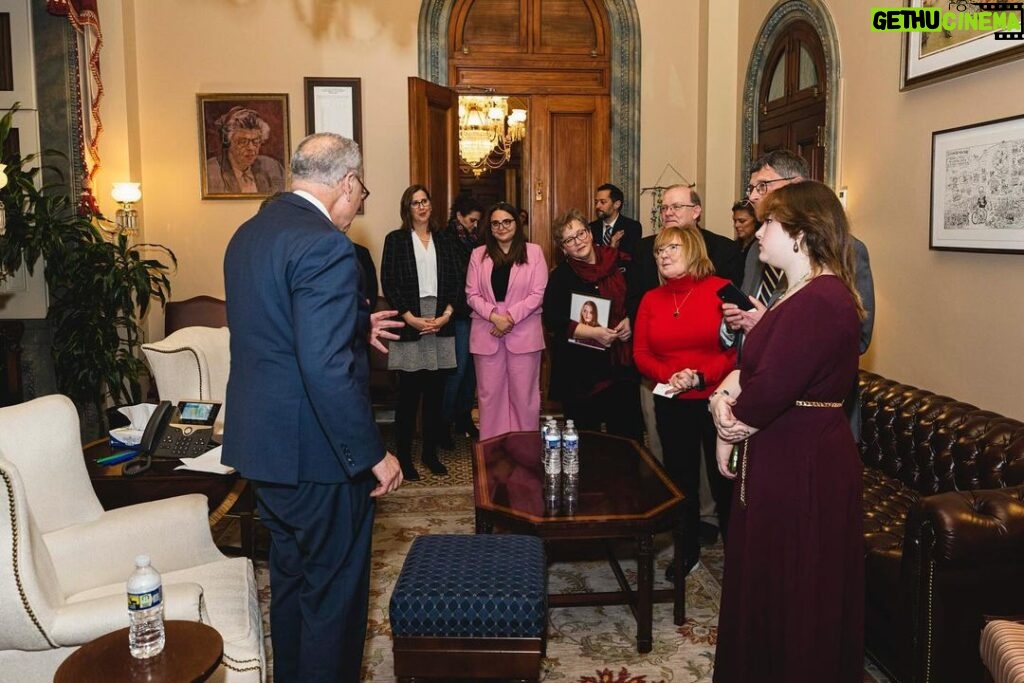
[
  {"x": 977, "y": 197},
  {"x": 958, "y": 48},
  {"x": 244, "y": 145}
]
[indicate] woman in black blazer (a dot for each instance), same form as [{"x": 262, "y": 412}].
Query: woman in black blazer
[{"x": 420, "y": 275}]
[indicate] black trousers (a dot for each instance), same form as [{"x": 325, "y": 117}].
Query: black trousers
[
  {"x": 319, "y": 577},
  {"x": 685, "y": 427},
  {"x": 617, "y": 407},
  {"x": 424, "y": 388}
]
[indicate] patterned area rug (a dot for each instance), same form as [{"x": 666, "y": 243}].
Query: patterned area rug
[{"x": 585, "y": 644}]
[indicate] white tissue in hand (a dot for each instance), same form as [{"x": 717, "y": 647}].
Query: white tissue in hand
[{"x": 138, "y": 417}]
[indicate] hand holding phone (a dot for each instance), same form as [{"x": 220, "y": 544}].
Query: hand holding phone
[{"x": 731, "y": 294}]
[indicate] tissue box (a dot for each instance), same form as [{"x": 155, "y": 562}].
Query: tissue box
[{"x": 125, "y": 437}]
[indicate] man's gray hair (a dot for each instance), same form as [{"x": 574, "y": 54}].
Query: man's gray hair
[
  {"x": 785, "y": 163},
  {"x": 326, "y": 158}
]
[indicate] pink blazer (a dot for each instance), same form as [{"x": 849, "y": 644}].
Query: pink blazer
[{"x": 523, "y": 302}]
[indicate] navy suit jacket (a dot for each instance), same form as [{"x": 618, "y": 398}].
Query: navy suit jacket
[
  {"x": 630, "y": 241},
  {"x": 298, "y": 401}
]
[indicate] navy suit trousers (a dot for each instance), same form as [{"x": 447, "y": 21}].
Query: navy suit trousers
[{"x": 320, "y": 575}]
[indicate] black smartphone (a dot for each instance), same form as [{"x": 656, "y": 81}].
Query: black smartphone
[{"x": 731, "y": 294}]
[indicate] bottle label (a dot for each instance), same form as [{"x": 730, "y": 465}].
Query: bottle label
[{"x": 141, "y": 601}]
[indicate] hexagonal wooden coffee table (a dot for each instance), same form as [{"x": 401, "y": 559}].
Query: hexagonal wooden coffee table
[{"x": 622, "y": 492}]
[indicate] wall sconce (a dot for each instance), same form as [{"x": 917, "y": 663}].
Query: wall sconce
[
  {"x": 126, "y": 219},
  {"x": 3, "y": 209},
  {"x": 844, "y": 197}
]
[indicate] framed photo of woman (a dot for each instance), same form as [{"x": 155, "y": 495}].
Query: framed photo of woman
[{"x": 590, "y": 310}]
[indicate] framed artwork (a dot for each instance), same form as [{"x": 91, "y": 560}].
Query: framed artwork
[
  {"x": 977, "y": 194},
  {"x": 243, "y": 144},
  {"x": 334, "y": 105},
  {"x": 588, "y": 309},
  {"x": 934, "y": 56}
]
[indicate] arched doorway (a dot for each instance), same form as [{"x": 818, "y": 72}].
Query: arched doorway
[
  {"x": 791, "y": 98},
  {"x": 621, "y": 89}
]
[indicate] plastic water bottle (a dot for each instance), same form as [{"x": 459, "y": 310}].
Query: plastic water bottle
[
  {"x": 570, "y": 450},
  {"x": 552, "y": 449},
  {"x": 145, "y": 610}
]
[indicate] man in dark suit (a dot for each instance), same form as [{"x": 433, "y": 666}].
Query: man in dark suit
[
  {"x": 681, "y": 207},
  {"x": 299, "y": 422},
  {"x": 768, "y": 173},
  {"x": 612, "y": 228}
]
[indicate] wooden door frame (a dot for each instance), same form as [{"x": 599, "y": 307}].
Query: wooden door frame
[
  {"x": 624, "y": 23},
  {"x": 816, "y": 14}
]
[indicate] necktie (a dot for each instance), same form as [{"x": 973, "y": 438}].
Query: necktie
[
  {"x": 771, "y": 278},
  {"x": 607, "y": 234}
]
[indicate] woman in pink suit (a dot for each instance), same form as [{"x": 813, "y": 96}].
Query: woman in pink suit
[{"x": 504, "y": 289}]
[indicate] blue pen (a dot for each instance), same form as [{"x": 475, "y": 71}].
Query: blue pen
[{"x": 115, "y": 458}]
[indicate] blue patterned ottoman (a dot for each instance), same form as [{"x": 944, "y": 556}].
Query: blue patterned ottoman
[{"x": 471, "y": 607}]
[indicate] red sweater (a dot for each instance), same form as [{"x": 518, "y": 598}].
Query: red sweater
[{"x": 664, "y": 344}]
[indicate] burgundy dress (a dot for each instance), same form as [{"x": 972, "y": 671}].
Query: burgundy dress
[{"x": 793, "y": 588}]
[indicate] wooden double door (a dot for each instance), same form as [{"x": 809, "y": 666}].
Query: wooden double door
[{"x": 566, "y": 152}]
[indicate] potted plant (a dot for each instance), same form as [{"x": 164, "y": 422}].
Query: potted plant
[{"x": 100, "y": 290}]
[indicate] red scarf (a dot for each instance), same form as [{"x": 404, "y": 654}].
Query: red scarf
[{"x": 607, "y": 274}]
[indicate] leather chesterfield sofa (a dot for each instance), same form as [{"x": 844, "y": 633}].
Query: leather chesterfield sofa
[{"x": 943, "y": 529}]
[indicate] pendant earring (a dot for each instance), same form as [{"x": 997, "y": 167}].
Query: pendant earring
[{"x": 796, "y": 247}]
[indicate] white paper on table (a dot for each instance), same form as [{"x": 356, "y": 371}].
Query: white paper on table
[
  {"x": 664, "y": 389},
  {"x": 207, "y": 462},
  {"x": 138, "y": 417}
]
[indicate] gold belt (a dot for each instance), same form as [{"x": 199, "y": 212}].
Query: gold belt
[{"x": 745, "y": 446}]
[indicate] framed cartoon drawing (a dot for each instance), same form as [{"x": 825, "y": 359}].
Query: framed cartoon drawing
[{"x": 244, "y": 145}]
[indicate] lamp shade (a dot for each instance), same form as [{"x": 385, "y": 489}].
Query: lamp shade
[
  {"x": 126, "y": 193},
  {"x": 3, "y": 175}
]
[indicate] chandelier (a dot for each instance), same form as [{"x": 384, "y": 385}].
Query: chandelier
[{"x": 487, "y": 130}]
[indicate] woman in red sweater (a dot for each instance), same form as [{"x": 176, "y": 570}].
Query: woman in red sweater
[{"x": 676, "y": 344}]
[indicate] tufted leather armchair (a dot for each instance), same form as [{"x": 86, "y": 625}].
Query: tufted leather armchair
[{"x": 943, "y": 528}]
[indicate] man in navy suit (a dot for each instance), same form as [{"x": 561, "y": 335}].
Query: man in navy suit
[
  {"x": 298, "y": 422},
  {"x": 612, "y": 228}
]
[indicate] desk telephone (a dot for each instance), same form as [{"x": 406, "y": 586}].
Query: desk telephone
[{"x": 184, "y": 431}]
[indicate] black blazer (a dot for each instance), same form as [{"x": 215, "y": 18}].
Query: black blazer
[
  {"x": 368, "y": 274},
  {"x": 400, "y": 282},
  {"x": 630, "y": 241},
  {"x": 724, "y": 253}
]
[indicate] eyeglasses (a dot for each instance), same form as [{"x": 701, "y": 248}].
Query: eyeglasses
[
  {"x": 668, "y": 249},
  {"x": 579, "y": 238},
  {"x": 672, "y": 208},
  {"x": 240, "y": 141},
  {"x": 366, "y": 192},
  {"x": 419, "y": 203},
  {"x": 503, "y": 223},
  {"x": 762, "y": 185}
]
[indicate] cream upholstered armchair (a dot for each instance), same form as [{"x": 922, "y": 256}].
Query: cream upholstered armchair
[
  {"x": 192, "y": 363},
  {"x": 64, "y": 560}
]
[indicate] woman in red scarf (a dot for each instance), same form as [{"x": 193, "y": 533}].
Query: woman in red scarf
[{"x": 591, "y": 365}]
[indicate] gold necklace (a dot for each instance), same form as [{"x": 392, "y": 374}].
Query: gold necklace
[
  {"x": 680, "y": 305},
  {"x": 792, "y": 288}
]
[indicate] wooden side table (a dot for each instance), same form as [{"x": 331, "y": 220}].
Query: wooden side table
[
  {"x": 225, "y": 492},
  {"x": 191, "y": 654}
]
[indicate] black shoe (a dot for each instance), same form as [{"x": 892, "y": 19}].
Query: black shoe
[
  {"x": 464, "y": 425},
  {"x": 707, "y": 534},
  {"x": 444, "y": 437},
  {"x": 689, "y": 564},
  {"x": 435, "y": 466},
  {"x": 409, "y": 472}
]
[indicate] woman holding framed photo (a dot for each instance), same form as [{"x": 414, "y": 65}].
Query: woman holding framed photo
[{"x": 592, "y": 370}]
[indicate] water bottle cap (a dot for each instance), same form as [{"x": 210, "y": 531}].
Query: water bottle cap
[
  {"x": 142, "y": 560},
  {"x": 570, "y": 423}
]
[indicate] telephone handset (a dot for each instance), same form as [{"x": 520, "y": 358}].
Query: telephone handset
[{"x": 184, "y": 431}]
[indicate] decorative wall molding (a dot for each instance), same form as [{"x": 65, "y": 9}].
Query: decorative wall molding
[
  {"x": 782, "y": 15},
  {"x": 624, "y": 23}
]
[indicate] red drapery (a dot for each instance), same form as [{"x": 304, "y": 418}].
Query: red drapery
[{"x": 84, "y": 17}]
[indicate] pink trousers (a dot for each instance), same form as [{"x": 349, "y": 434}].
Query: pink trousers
[{"x": 508, "y": 390}]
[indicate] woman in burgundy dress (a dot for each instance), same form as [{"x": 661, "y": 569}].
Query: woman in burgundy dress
[{"x": 793, "y": 591}]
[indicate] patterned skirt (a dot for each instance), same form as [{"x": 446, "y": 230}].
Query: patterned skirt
[{"x": 429, "y": 352}]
